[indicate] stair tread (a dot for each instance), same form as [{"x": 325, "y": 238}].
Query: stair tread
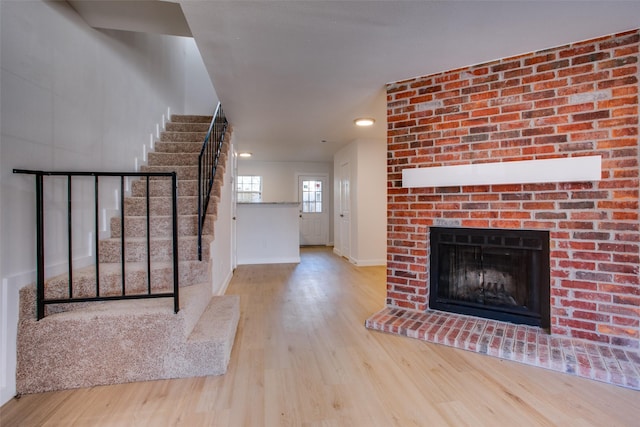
[
  {"x": 109, "y": 267},
  {"x": 219, "y": 312},
  {"x": 168, "y": 196},
  {"x": 127, "y": 216},
  {"x": 152, "y": 239},
  {"x": 138, "y": 307},
  {"x": 170, "y": 167}
]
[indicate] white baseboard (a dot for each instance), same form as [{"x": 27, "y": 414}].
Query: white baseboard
[
  {"x": 362, "y": 262},
  {"x": 225, "y": 284},
  {"x": 8, "y": 332},
  {"x": 369, "y": 262},
  {"x": 291, "y": 260}
]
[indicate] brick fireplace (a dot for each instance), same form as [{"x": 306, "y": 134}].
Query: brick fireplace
[{"x": 571, "y": 101}]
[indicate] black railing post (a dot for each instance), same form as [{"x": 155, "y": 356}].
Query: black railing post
[
  {"x": 40, "y": 246},
  {"x": 199, "y": 210},
  {"x": 148, "y": 238},
  {"x": 97, "y": 232},
  {"x": 174, "y": 188},
  {"x": 122, "y": 247},
  {"x": 70, "y": 236}
]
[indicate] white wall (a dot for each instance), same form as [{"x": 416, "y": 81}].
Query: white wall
[
  {"x": 222, "y": 245},
  {"x": 72, "y": 98},
  {"x": 268, "y": 233},
  {"x": 200, "y": 95},
  {"x": 368, "y": 230},
  {"x": 280, "y": 179},
  {"x": 371, "y": 204}
]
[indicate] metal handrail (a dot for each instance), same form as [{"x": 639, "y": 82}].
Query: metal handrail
[
  {"x": 207, "y": 166},
  {"x": 41, "y": 300}
]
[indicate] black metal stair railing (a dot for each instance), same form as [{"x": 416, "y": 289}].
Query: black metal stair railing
[
  {"x": 207, "y": 166},
  {"x": 41, "y": 299}
]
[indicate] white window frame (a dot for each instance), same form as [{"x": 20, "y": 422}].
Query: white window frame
[{"x": 252, "y": 195}]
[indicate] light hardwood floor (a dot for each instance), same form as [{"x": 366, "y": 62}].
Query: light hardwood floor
[{"x": 302, "y": 357}]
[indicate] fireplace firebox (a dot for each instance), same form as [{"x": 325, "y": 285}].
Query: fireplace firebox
[{"x": 491, "y": 273}]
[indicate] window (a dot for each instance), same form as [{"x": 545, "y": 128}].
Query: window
[
  {"x": 311, "y": 196},
  {"x": 249, "y": 189}
]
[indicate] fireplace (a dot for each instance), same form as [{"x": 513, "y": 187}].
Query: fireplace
[
  {"x": 573, "y": 101},
  {"x": 491, "y": 273}
]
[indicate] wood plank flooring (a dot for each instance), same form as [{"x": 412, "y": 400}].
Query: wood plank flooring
[{"x": 302, "y": 357}]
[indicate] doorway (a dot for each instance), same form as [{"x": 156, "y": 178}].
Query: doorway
[{"x": 314, "y": 209}]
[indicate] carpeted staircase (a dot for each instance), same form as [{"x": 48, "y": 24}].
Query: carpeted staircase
[{"x": 88, "y": 344}]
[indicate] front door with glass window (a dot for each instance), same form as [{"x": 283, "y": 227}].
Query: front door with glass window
[{"x": 314, "y": 215}]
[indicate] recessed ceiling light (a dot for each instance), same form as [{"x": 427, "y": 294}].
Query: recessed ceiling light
[
  {"x": 364, "y": 121},
  {"x": 245, "y": 154}
]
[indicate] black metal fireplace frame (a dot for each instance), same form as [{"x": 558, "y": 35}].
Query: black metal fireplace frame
[{"x": 534, "y": 240}]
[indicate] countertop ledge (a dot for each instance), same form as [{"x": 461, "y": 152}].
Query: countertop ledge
[{"x": 268, "y": 203}]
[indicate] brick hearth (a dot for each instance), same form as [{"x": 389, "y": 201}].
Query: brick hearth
[
  {"x": 519, "y": 343},
  {"x": 575, "y": 100}
]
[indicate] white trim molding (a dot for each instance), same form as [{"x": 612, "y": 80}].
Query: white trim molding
[{"x": 566, "y": 169}]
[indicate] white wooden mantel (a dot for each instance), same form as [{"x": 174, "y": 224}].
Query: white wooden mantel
[{"x": 566, "y": 169}]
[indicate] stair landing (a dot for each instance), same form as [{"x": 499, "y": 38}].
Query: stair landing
[{"x": 125, "y": 341}]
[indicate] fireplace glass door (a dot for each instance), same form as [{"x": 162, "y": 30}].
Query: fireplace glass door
[{"x": 496, "y": 274}]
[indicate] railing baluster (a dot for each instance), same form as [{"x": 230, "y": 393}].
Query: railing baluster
[
  {"x": 174, "y": 186},
  {"x": 97, "y": 233},
  {"x": 148, "y": 240},
  {"x": 200, "y": 210},
  {"x": 70, "y": 236},
  {"x": 40, "y": 246},
  {"x": 122, "y": 247}
]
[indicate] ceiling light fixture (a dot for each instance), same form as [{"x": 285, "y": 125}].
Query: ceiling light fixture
[
  {"x": 245, "y": 154},
  {"x": 364, "y": 121}
]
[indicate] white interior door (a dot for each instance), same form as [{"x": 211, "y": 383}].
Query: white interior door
[
  {"x": 344, "y": 211},
  {"x": 314, "y": 215}
]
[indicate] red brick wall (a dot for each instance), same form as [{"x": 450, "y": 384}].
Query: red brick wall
[{"x": 575, "y": 100}]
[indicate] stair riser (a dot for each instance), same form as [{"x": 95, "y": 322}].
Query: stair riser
[
  {"x": 190, "y": 273},
  {"x": 173, "y": 159},
  {"x": 177, "y": 147},
  {"x": 182, "y": 172},
  {"x": 161, "y": 250},
  {"x": 137, "y": 206},
  {"x": 161, "y": 226},
  {"x": 189, "y": 118},
  {"x": 183, "y": 136},
  {"x": 162, "y": 188},
  {"x": 187, "y": 127}
]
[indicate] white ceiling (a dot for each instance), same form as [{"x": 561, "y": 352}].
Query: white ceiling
[{"x": 291, "y": 74}]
